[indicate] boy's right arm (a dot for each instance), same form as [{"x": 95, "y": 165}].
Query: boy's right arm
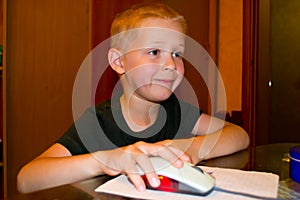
[{"x": 56, "y": 166}]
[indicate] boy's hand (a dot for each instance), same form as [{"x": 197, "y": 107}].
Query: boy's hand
[{"x": 125, "y": 159}]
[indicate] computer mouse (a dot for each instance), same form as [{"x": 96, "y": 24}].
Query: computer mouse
[{"x": 189, "y": 179}]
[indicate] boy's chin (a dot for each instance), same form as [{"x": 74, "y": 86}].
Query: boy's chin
[
  {"x": 155, "y": 93},
  {"x": 161, "y": 95}
]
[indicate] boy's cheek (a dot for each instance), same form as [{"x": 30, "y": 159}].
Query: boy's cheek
[{"x": 180, "y": 70}]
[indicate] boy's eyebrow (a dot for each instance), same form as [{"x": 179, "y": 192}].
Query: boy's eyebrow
[{"x": 162, "y": 42}]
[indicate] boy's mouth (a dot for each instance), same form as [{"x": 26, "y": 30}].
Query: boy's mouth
[{"x": 164, "y": 82}]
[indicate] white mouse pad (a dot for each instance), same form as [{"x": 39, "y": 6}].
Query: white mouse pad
[{"x": 241, "y": 185}]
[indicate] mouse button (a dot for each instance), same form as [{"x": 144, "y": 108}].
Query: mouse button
[
  {"x": 170, "y": 172},
  {"x": 159, "y": 163},
  {"x": 164, "y": 168}
]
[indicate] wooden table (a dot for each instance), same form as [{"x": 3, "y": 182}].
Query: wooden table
[{"x": 267, "y": 158}]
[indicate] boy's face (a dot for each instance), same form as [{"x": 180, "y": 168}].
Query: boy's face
[{"x": 153, "y": 65}]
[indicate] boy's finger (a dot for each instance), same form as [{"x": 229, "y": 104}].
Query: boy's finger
[
  {"x": 182, "y": 155},
  {"x": 111, "y": 172},
  {"x": 163, "y": 150},
  {"x": 145, "y": 164},
  {"x": 170, "y": 156},
  {"x": 137, "y": 181}
]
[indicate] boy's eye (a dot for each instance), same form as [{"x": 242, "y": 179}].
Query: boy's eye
[
  {"x": 177, "y": 54},
  {"x": 154, "y": 52}
]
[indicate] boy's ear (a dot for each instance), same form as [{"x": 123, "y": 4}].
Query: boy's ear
[{"x": 114, "y": 59}]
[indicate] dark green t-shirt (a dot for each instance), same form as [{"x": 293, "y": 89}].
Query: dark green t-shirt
[{"x": 103, "y": 126}]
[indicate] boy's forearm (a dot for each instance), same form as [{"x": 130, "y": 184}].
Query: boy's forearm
[
  {"x": 229, "y": 140},
  {"x": 49, "y": 172}
]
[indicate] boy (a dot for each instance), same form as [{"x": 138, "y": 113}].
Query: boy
[{"x": 145, "y": 119}]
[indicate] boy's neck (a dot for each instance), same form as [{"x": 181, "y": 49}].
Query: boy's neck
[{"x": 138, "y": 113}]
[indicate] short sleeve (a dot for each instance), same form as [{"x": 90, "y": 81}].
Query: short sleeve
[{"x": 72, "y": 142}]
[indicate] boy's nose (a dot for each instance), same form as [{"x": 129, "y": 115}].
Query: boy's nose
[{"x": 169, "y": 63}]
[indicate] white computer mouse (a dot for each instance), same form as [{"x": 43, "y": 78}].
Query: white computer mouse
[{"x": 189, "y": 179}]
